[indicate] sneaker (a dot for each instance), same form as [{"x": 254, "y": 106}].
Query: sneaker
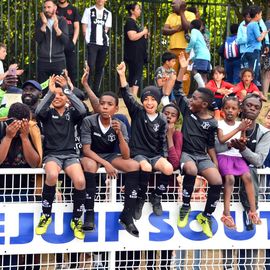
[
  {"x": 89, "y": 221},
  {"x": 77, "y": 229},
  {"x": 248, "y": 224},
  {"x": 129, "y": 227},
  {"x": 138, "y": 208},
  {"x": 206, "y": 224},
  {"x": 43, "y": 224},
  {"x": 182, "y": 220},
  {"x": 155, "y": 201}
]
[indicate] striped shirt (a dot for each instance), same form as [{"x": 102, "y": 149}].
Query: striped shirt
[{"x": 97, "y": 21}]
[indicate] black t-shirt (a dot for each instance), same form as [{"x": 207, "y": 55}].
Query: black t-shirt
[
  {"x": 198, "y": 134},
  {"x": 148, "y": 137},
  {"x": 134, "y": 50},
  {"x": 101, "y": 143},
  {"x": 71, "y": 15}
]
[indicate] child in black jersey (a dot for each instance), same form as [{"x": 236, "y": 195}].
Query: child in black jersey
[
  {"x": 101, "y": 133},
  {"x": 59, "y": 150},
  {"x": 198, "y": 155},
  {"x": 148, "y": 143}
]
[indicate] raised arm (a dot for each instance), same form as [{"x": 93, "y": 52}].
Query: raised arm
[
  {"x": 91, "y": 95},
  {"x": 44, "y": 105},
  {"x": 132, "y": 105},
  {"x": 181, "y": 98}
]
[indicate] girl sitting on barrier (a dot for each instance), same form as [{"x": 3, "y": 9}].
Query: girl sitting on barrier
[{"x": 231, "y": 163}]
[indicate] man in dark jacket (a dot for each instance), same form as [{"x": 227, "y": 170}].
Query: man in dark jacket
[{"x": 51, "y": 34}]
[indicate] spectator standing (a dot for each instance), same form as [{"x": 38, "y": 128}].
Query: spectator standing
[
  {"x": 135, "y": 46},
  {"x": 241, "y": 39},
  {"x": 51, "y": 34},
  {"x": 71, "y": 14},
  {"x": 255, "y": 35},
  {"x": 231, "y": 54},
  {"x": 176, "y": 25},
  {"x": 96, "y": 22},
  {"x": 201, "y": 59}
]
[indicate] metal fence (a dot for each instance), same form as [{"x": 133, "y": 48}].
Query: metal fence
[
  {"x": 17, "y": 19},
  {"x": 24, "y": 185}
]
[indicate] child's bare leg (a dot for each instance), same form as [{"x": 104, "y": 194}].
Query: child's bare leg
[
  {"x": 228, "y": 189},
  {"x": 204, "y": 77},
  {"x": 249, "y": 187}
]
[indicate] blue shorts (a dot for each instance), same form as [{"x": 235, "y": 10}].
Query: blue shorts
[{"x": 202, "y": 65}]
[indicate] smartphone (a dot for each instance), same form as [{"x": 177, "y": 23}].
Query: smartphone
[
  {"x": 9, "y": 121},
  {"x": 12, "y": 71}
]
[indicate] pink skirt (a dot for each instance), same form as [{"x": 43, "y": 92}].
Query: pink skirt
[{"x": 232, "y": 165}]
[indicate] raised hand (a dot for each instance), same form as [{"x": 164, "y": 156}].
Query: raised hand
[
  {"x": 62, "y": 81},
  {"x": 116, "y": 126},
  {"x": 182, "y": 60},
  {"x": 85, "y": 76},
  {"x": 52, "y": 82},
  {"x": 121, "y": 68}
]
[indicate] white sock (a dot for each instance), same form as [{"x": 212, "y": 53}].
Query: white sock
[
  {"x": 165, "y": 100},
  {"x": 198, "y": 78}
]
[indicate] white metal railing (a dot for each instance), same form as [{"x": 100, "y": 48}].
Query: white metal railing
[{"x": 14, "y": 191}]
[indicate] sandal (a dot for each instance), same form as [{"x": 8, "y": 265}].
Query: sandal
[
  {"x": 255, "y": 219},
  {"x": 228, "y": 222}
]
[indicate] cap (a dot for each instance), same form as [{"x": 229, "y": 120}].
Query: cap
[
  {"x": 35, "y": 84},
  {"x": 153, "y": 91}
]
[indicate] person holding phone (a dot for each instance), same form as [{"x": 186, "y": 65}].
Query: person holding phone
[{"x": 51, "y": 35}]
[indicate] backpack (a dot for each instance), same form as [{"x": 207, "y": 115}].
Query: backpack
[{"x": 231, "y": 49}]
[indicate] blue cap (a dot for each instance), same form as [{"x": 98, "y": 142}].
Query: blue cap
[{"x": 35, "y": 84}]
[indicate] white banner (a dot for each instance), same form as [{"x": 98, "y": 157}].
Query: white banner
[{"x": 18, "y": 222}]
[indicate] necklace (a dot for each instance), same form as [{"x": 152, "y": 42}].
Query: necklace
[{"x": 250, "y": 135}]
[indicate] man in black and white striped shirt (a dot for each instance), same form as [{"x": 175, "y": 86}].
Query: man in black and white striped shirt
[{"x": 96, "y": 22}]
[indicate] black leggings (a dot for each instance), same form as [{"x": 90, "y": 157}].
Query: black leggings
[{"x": 135, "y": 70}]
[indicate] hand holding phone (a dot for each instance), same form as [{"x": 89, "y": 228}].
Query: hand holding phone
[{"x": 12, "y": 71}]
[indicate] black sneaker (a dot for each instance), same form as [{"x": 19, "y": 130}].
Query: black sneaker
[
  {"x": 248, "y": 223},
  {"x": 138, "y": 208},
  {"x": 125, "y": 219},
  {"x": 89, "y": 221},
  {"x": 155, "y": 200}
]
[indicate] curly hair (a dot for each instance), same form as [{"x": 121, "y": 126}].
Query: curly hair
[{"x": 19, "y": 111}]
